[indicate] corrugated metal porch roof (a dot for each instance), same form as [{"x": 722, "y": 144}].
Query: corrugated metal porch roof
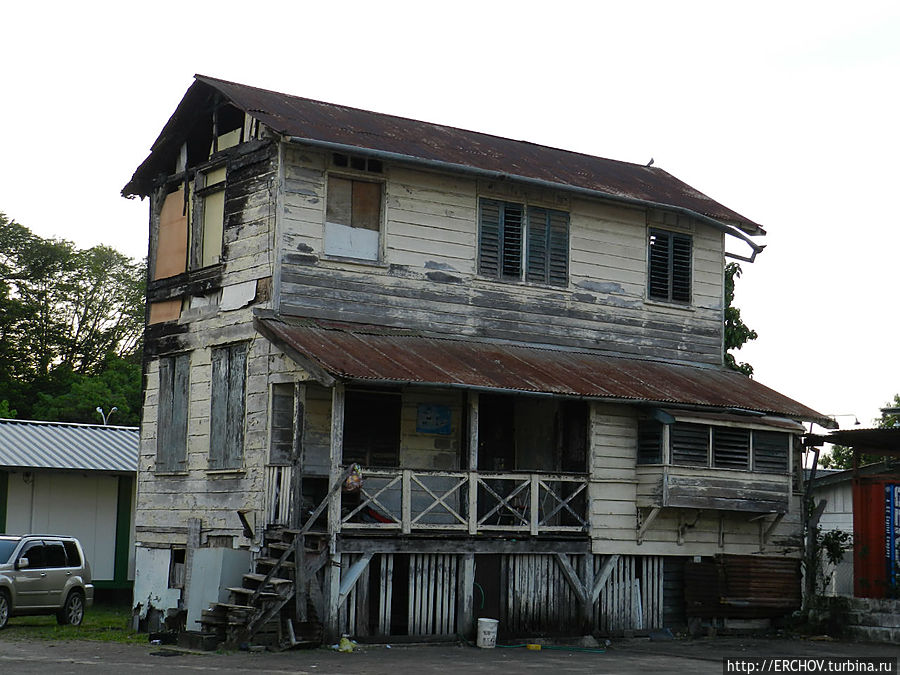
[
  {"x": 74, "y": 447},
  {"x": 358, "y": 353}
]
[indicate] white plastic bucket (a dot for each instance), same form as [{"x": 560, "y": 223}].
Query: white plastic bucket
[{"x": 487, "y": 633}]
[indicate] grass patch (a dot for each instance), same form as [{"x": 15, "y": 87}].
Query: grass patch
[{"x": 104, "y": 623}]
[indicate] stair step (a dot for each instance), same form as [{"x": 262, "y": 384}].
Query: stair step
[
  {"x": 235, "y": 608},
  {"x": 287, "y": 564},
  {"x": 275, "y": 581},
  {"x": 250, "y": 591}
]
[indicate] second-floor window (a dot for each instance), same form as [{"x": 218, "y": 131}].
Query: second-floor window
[
  {"x": 516, "y": 242},
  {"x": 669, "y": 266},
  {"x": 353, "y": 218},
  {"x": 209, "y": 218},
  {"x": 226, "y": 417},
  {"x": 712, "y": 446}
]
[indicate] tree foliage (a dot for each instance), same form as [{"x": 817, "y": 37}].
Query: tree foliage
[
  {"x": 737, "y": 333},
  {"x": 71, "y": 322},
  {"x": 841, "y": 457}
]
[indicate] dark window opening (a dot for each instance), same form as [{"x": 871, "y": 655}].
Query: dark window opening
[
  {"x": 650, "y": 438},
  {"x": 281, "y": 443},
  {"x": 669, "y": 273},
  {"x": 521, "y": 433},
  {"x": 372, "y": 428},
  {"x": 176, "y": 567}
]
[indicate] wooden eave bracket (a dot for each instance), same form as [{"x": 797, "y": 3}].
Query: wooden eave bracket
[
  {"x": 645, "y": 522},
  {"x": 767, "y": 525}
]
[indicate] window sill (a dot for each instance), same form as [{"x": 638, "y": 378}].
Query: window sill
[
  {"x": 354, "y": 261},
  {"x": 226, "y": 472},
  {"x": 523, "y": 283},
  {"x": 165, "y": 474},
  {"x": 684, "y": 307}
]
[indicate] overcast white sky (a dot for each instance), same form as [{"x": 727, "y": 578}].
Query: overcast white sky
[{"x": 786, "y": 112}]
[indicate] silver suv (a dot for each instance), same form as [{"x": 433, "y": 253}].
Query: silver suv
[{"x": 44, "y": 574}]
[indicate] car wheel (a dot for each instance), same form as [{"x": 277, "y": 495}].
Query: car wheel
[
  {"x": 5, "y": 605},
  {"x": 73, "y": 611}
]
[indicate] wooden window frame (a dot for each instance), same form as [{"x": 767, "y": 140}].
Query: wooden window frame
[
  {"x": 201, "y": 193},
  {"x": 519, "y": 242},
  {"x": 670, "y": 277},
  {"x": 282, "y": 423},
  {"x": 329, "y": 231},
  {"x": 173, "y": 406},
  {"x": 228, "y": 406}
]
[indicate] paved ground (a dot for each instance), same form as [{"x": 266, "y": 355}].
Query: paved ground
[{"x": 622, "y": 656}]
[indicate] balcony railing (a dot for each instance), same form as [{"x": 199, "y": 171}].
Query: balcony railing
[{"x": 409, "y": 500}]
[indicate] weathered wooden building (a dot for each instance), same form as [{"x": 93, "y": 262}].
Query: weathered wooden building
[{"x": 520, "y": 347}]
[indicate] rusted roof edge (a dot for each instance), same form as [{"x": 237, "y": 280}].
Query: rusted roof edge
[{"x": 733, "y": 230}]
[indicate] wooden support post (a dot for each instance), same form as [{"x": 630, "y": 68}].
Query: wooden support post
[
  {"x": 301, "y": 580},
  {"x": 466, "y": 610},
  {"x": 406, "y": 501},
  {"x": 473, "y": 463},
  {"x": 587, "y": 605},
  {"x": 193, "y": 543},
  {"x": 333, "y": 573},
  {"x": 535, "y": 505}
]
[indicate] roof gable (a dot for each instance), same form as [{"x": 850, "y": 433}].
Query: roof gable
[{"x": 306, "y": 119}]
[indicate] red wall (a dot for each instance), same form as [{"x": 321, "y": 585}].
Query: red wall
[{"x": 869, "y": 564}]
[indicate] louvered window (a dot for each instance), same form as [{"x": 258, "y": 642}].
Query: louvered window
[
  {"x": 650, "y": 437},
  {"x": 509, "y": 237},
  {"x": 731, "y": 448},
  {"x": 669, "y": 273},
  {"x": 690, "y": 444},
  {"x": 770, "y": 451}
]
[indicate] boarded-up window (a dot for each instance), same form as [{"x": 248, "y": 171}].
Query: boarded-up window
[
  {"x": 731, "y": 448},
  {"x": 226, "y": 418},
  {"x": 172, "y": 237},
  {"x": 770, "y": 451},
  {"x": 353, "y": 218},
  {"x": 690, "y": 444},
  {"x": 209, "y": 226},
  {"x": 281, "y": 442},
  {"x": 650, "y": 437},
  {"x": 172, "y": 415},
  {"x": 512, "y": 243},
  {"x": 669, "y": 269}
]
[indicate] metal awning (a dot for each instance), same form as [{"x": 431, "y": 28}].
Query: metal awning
[{"x": 333, "y": 352}]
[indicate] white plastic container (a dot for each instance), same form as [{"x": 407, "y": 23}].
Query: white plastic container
[{"x": 487, "y": 633}]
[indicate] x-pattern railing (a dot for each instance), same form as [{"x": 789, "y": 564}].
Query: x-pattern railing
[{"x": 473, "y": 501}]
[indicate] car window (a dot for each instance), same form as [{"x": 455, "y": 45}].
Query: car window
[
  {"x": 72, "y": 554},
  {"x": 7, "y": 546},
  {"x": 54, "y": 554},
  {"x": 35, "y": 554}
]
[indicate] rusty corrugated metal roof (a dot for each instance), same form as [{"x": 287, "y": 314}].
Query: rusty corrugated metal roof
[
  {"x": 357, "y": 353},
  {"x": 319, "y": 121}
]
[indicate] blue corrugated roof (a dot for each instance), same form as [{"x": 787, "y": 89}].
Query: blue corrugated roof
[{"x": 59, "y": 445}]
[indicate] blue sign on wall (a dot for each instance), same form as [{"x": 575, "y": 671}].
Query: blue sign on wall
[
  {"x": 891, "y": 530},
  {"x": 434, "y": 419}
]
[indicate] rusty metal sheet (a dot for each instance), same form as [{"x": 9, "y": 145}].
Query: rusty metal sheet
[
  {"x": 316, "y": 120},
  {"x": 356, "y": 353}
]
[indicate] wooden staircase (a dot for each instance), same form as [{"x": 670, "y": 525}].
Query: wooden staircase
[
  {"x": 260, "y": 609},
  {"x": 291, "y": 566}
]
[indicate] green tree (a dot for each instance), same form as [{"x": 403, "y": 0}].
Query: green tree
[
  {"x": 841, "y": 457},
  {"x": 737, "y": 333},
  {"x": 67, "y": 316}
]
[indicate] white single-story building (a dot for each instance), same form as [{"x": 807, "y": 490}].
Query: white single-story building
[{"x": 74, "y": 479}]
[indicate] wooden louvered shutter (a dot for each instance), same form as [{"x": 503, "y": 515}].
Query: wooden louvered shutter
[
  {"x": 538, "y": 232},
  {"x": 731, "y": 448},
  {"x": 489, "y": 239},
  {"x": 681, "y": 268},
  {"x": 690, "y": 444},
  {"x": 558, "y": 245},
  {"x": 770, "y": 451},
  {"x": 658, "y": 273},
  {"x": 511, "y": 238}
]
